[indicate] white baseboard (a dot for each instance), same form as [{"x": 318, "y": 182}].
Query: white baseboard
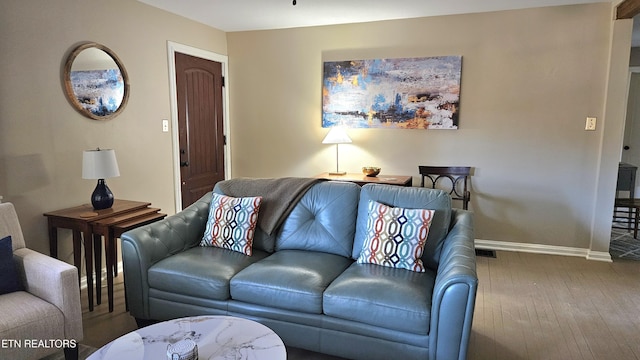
[
  {"x": 543, "y": 249},
  {"x": 599, "y": 256}
]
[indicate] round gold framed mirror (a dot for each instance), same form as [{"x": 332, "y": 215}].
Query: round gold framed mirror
[{"x": 95, "y": 81}]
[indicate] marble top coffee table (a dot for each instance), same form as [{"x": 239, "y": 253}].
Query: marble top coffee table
[{"x": 217, "y": 337}]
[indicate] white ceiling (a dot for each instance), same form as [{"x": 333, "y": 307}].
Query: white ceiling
[{"x": 242, "y": 15}]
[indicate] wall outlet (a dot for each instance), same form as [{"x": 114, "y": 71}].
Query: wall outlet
[
  {"x": 165, "y": 125},
  {"x": 590, "y": 124}
]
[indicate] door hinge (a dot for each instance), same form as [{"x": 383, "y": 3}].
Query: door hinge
[
  {"x": 224, "y": 139},
  {"x": 223, "y": 81}
]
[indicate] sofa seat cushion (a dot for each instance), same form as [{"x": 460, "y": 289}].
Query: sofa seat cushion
[
  {"x": 396, "y": 299},
  {"x": 26, "y": 316},
  {"x": 289, "y": 279},
  {"x": 201, "y": 271}
]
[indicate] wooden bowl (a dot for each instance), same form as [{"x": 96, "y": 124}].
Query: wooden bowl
[{"x": 371, "y": 171}]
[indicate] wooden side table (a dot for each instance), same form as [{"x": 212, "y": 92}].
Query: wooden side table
[
  {"x": 82, "y": 221},
  {"x": 111, "y": 228},
  {"x": 361, "y": 179}
]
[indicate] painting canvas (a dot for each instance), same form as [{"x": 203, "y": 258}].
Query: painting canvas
[
  {"x": 408, "y": 93},
  {"x": 99, "y": 91}
]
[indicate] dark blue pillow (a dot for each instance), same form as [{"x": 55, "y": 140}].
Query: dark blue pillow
[{"x": 9, "y": 278}]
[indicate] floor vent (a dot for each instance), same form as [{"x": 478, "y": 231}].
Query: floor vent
[{"x": 486, "y": 253}]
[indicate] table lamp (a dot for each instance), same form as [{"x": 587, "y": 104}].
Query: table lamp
[
  {"x": 100, "y": 164},
  {"x": 337, "y": 135}
]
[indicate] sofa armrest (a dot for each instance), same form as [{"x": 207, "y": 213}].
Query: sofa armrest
[
  {"x": 144, "y": 246},
  {"x": 454, "y": 292},
  {"x": 55, "y": 282}
]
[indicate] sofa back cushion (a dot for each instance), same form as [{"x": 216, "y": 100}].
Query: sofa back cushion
[
  {"x": 410, "y": 198},
  {"x": 324, "y": 220}
]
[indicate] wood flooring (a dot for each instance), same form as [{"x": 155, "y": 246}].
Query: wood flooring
[
  {"x": 529, "y": 306},
  {"x": 532, "y": 306}
]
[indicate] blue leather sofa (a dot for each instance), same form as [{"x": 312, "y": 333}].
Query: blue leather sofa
[{"x": 303, "y": 281}]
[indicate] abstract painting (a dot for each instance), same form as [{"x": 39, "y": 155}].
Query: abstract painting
[{"x": 403, "y": 93}]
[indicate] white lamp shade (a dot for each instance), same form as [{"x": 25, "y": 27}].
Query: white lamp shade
[
  {"x": 337, "y": 135},
  {"x": 99, "y": 164}
]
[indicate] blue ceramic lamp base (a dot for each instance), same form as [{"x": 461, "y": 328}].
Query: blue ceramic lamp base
[{"x": 102, "y": 197}]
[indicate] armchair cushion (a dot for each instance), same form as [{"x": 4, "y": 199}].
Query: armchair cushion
[
  {"x": 26, "y": 316},
  {"x": 9, "y": 279}
]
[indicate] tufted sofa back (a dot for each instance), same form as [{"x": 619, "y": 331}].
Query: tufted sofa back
[{"x": 324, "y": 220}]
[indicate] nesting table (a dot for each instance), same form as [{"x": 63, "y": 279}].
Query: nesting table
[
  {"x": 217, "y": 338},
  {"x": 88, "y": 227}
]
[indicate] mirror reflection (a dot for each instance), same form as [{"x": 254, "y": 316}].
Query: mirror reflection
[{"x": 95, "y": 81}]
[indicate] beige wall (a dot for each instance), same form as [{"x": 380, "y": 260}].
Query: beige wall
[
  {"x": 529, "y": 80},
  {"x": 42, "y": 137}
]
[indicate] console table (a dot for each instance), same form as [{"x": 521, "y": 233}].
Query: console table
[
  {"x": 89, "y": 226},
  {"x": 361, "y": 179}
]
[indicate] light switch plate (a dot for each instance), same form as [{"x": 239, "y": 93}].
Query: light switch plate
[{"x": 590, "y": 124}]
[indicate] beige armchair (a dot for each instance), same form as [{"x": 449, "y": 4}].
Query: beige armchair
[{"x": 47, "y": 316}]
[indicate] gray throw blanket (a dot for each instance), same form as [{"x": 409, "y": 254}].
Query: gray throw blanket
[{"x": 279, "y": 196}]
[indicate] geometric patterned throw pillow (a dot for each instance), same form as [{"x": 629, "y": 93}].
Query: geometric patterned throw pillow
[
  {"x": 395, "y": 236},
  {"x": 232, "y": 223}
]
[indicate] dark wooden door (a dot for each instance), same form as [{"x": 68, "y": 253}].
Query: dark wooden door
[{"x": 199, "y": 85}]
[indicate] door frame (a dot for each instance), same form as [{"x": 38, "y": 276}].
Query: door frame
[{"x": 172, "y": 49}]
